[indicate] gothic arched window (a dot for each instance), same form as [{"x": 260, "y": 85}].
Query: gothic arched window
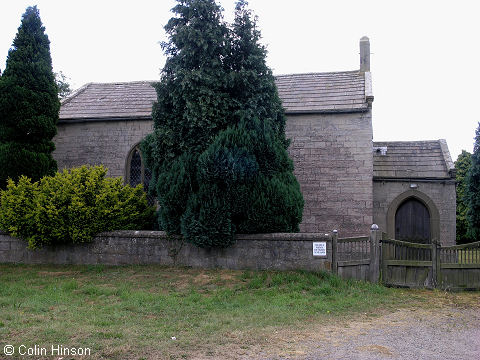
[{"x": 137, "y": 172}]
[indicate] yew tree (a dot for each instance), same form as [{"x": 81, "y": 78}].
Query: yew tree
[
  {"x": 29, "y": 104},
  {"x": 218, "y": 151},
  {"x": 473, "y": 191},
  {"x": 462, "y": 167}
]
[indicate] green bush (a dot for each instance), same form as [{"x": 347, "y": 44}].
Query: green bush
[{"x": 72, "y": 206}]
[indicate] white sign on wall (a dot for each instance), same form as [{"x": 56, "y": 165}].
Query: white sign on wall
[{"x": 320, "y": 248}]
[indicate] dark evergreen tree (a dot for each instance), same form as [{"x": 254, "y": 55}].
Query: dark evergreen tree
[
  {"x": 473, "y": 191},
  {"x": 219, "y": 151},
  {"x": 192, "y": 104},
  {"x": 254, "y": 88},
  {"x": 462, "y": 166},
  {"x": 29, "y": 104}
]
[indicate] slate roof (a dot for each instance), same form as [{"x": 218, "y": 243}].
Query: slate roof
[
  {"x": 110, "y": 101},
  {"x": 323, "y": 92},
  {"x": 300, "y": 93},
  {"x": 412, "y": 160}
]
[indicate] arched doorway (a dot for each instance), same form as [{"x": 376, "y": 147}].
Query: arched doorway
[
  {"x": 424, "y": 200},
  {"x": 412, "y": 222}
]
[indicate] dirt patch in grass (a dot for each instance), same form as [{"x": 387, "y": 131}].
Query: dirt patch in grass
[
  {"x": 136, "y": 277},
  {"x": 57, "y": 273},
  {"x": 203, "y": 279}
]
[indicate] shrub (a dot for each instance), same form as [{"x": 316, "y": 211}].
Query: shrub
[
  {"x": 17, "y": 207},
  {"x": 72, "y": 206}
]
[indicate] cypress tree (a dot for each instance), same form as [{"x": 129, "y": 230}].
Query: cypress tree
[
  {"x": 192, "y": 104},
  {"x": 29, "y": 104},
  {"x": 254, "y": 88},
  {"x": 473, "y": 191},
  {"x": 462, "y": 166},
  {"x": 219, "y": 151}
]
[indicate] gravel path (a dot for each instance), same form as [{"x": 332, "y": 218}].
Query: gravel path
[
  {"x": 448, "y": 332},
  {"x": 435, "y": 325}
]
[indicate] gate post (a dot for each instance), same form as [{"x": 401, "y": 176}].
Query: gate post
[
  {"x": 374, "y": 268},
  {"x": 334, "y": 251},
  {"x": 436, "y": 268}
]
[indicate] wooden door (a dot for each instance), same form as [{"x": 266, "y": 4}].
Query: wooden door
[{"x": 412, "y": 222}]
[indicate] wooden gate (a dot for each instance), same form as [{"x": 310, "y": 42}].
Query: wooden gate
[
  {"x": 407, "y": 264},
  {"x": 415, "y": 265},
  {"x": 459, "y": 267},
  {"x": 352, "y": 257}
]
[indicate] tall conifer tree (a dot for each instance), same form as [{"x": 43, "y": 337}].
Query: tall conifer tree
[
  {"x": 473, "y": 191},
  {"x": 219, "y": 148},
  {"x": 462, "y": 167},
  {"x": 29, "y": 104},
  {"x": 192, "y": 104}
]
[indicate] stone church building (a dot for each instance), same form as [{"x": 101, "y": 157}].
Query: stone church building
[{"x": 347, "y": 180}]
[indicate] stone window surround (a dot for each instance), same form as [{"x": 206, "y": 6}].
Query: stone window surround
[{"x": 128, "y": 164}]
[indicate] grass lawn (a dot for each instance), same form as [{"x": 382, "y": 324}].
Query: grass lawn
[{"x": 133, "y": 312}]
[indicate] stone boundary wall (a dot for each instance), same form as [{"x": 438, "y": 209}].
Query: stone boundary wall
[{"x": 277, "y": 251}]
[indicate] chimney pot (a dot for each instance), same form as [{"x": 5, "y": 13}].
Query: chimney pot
[{"x": 364, "y": 54}]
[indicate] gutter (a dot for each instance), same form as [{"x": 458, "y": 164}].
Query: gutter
[
  {"x": 149, "y": 117},
  {"x": 330, "y": 111},
  {"x": 118, "y": 118},
  {"x": 414, "y": 180}
]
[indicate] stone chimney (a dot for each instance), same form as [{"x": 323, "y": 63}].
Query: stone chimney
[{"x": 364, "y": 54}]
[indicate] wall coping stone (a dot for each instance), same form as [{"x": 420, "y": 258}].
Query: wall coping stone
[
  {"x": 239, "y": 237},
  {"x": 133, "y": 234},
  {"x": 283, "y": 236}
]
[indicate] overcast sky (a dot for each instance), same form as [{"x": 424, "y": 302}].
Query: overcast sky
[{"x": 425, "y": 58}]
